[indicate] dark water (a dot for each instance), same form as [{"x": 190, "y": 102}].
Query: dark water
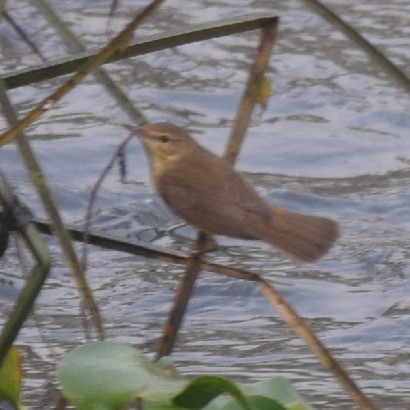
[{"x": 333, "y": 141}]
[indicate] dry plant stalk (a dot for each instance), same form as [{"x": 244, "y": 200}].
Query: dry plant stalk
[
  {"x": 40, "y": 182},
  {"x": 93, "y": 196},
  {"x": 74, "y": 45},
  {"x": 92, "y": 64},
  {"x": 33, "y": 166},
  {"x": 20, "y": 31},
  {"x": 393, "y": 71},
  {"x": 290, "y": 316},
  {"x": 181, "y": 299},
  {"x": 19, "y": 219},
  {"x": 252, "y": 90},
  {"x": 173, "y": 38},
  {"x": 305, "y": 332}
]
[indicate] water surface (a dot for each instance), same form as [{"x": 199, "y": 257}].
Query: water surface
[{"x": 333, "y": 141}]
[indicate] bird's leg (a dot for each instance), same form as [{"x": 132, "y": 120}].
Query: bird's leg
[{"x": 205, "y": 243}]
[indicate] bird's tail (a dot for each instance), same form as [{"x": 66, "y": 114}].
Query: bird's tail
[{"x": 304, "y": 237}]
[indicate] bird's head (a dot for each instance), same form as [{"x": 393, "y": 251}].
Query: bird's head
[{"x": 165, "y": 142}]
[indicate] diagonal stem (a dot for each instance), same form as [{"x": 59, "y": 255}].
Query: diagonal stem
[
  {"x": 305, "y": 332},
  {"x": 39, "y": 181},
  {"x": 92, "y": 64},
  {"x": 181, "y": 299},
  {"x": 252, "y": 90}
]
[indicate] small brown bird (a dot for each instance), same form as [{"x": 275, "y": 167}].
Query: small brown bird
[{"x": 208, "y": 193}]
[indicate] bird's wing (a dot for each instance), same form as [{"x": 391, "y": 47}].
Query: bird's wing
[{"x": 214, "y": 199}]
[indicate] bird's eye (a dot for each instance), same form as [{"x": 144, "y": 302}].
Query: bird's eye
[{"x": 164, "y": 138}]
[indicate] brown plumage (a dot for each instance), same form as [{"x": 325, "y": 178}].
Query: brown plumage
[{"x": 208, "y": 193}]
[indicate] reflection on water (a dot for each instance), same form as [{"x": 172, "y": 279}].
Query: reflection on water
[{"x": 333, "y": 141}]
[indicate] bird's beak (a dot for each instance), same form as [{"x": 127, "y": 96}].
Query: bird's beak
[
  {"x": 140, "y": 132},
  {"x": 145, "y": 139}
]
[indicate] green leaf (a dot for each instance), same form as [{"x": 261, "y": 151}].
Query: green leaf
[
  {"x": 204, "y": 389},
  {"x": 10, "y": 377},
  {"x": 264, "y": 403},
  {"x": 256, "y": 403},
  {"x": 275, "y": 393},
  {"x": 280, "y": 389},
  {"x": 108, "y": 375}
]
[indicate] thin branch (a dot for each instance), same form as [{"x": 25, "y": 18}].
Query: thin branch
[
  {"x": 289, "y": 315},
  {"x": 75, "y": 46},
  {"x": 91, "y": 65},
  {"x": 93, "y": 196},
  {"x": 305, "y": 332},
  {"x": 150, "y": 44},
  {"x": 252, "y": 90},
  {"x": 181, "y": 299},
  {"x": 39, "y": 181},
  {"x": 28, "y": 295},
  {"x": 23, "y": 35},
  {"x": 375, "y": 55}
]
